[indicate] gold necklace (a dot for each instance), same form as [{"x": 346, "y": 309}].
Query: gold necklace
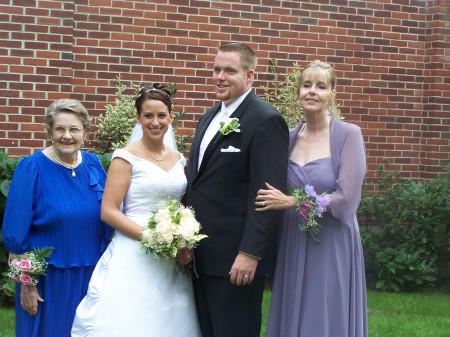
[
  {"x": 61, "y": 162},
  {"x": 303, "y": 131},
  {"x": 159, "y": 160}
]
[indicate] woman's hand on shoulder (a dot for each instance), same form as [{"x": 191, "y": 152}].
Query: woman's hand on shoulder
[{"x": 273, "y": 199}]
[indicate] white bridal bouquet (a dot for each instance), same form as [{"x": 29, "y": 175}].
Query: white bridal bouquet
[{"x": 171, "y": 228}]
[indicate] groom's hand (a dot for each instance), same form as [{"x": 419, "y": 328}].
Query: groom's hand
[{"x": 243, "y": 270}]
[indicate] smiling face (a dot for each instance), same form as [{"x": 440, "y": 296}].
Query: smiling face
[
  {"x": 154, "y": 118},
  {"x": 315, "y": 92},
  {"x": 67, "y": 135},
  {"x": 229, "y": 78}
]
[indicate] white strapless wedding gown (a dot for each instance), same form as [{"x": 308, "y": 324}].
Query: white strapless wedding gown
[{"x": 131, "y": 293}]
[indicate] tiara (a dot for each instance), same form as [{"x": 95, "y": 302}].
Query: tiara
[{"x": 157, "y": 90}]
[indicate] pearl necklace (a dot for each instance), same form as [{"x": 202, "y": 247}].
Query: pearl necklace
[
  {"x": 61, "y": 162},
  {"x": 303, "y": 131},
  {"x": 159, "y": 160}
]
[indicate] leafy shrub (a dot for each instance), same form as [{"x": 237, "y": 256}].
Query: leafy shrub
[
  {"x": 116, "y": 124},
  {"x": 283, "y": 94},
  {"x": 405, "y": 231},
  {"x": 105, "y": 159},
  {"x": 7, "y": 167}
]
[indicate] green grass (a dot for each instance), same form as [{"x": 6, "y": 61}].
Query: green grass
[
  {"x": 400, "y": 315},
  {"x": 409, "y": 315},
  {"x": 390, "y": 315},
  {"x": 7, "y": 322}
]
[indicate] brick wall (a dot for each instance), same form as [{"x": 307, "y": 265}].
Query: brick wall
[{"x": 392, "y": 59}]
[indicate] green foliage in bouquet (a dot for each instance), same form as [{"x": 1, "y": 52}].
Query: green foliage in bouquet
[
  {"x": 405, "y": 232},
  {"x": 116, "y": 124},
  {"x": 283, "y": 94}
]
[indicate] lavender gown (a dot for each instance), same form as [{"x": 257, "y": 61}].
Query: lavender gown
[{"x": 319, "y": 290}]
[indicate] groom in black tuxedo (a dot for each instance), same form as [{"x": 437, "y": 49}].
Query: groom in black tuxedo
[{"x": 224, "y": 174}]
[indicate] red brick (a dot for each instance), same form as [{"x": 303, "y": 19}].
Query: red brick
[{"x": 384, "y": 68}]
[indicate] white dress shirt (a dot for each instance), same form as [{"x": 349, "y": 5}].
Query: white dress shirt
[{"x": 214, "y": 126}]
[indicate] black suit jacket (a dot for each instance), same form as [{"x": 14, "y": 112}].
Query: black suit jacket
[{"x": 223, "y": 190}]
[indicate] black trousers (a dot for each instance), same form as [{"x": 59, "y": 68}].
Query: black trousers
[{"x": 226, "y": 310}]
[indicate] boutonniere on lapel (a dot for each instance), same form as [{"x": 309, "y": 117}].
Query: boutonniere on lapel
[{"x": 227, "y": 126}]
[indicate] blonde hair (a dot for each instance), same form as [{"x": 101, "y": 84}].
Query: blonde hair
[{"x": 332, "y": 78}]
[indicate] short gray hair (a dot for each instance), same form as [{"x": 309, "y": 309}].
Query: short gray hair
[{"x": 69, "y": 106}]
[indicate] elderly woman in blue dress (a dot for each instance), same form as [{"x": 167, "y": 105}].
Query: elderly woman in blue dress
[{"x": 54, "y": 201}]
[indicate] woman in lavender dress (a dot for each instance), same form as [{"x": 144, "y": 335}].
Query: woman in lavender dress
[{"x": 319, "y": 288}]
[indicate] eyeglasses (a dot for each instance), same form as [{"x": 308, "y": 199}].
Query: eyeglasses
[{"x": 73, "y": 130}]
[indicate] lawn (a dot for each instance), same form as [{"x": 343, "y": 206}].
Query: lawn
[{"x": 390, "y": 315}]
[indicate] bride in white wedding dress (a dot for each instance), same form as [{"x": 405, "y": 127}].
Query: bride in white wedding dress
[{"x": 131, "y": 293}]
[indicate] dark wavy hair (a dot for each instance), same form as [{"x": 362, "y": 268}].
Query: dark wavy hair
[{"x": 156, "y": 91}]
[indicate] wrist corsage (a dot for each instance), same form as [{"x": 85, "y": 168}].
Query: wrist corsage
[
  {"x": 310, "y": 207},
  {"x": 227, "y": 126},
  {"x": 28, "y": 268}
]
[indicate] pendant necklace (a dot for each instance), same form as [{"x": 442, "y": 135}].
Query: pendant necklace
[
  {"x": 159, "y": 160},
  {"x": 61, "y": 162},
  {"x": 303, "y": 131}
]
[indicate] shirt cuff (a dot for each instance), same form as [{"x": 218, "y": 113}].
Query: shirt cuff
[{"x": 255, "y": 257}]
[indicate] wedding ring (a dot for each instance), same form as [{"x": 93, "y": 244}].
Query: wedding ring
[
  {"x": 264, "y": 204},
  {"x": 245, "y": 276}
]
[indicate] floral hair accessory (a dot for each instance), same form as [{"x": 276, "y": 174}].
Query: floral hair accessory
[
  {"x": 310, "y": 207},
  {"x": 28, "y": 268},
  {"x": 227, "y": 126}
]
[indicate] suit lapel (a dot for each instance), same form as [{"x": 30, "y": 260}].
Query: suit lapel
[
  {"x": 209, "y": 150},
  {"x": 241, "y": 108},
  {"x": 214, "y": 144},
  {"x": 200, "y": 132}
]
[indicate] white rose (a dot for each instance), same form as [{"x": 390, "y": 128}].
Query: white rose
[
  {"x": 189, "y": 228},
  {"x": 160, "y": 238},
  {"x": 186, "y": 213},
  {"x": 162, "y": 215},
  {"x": 147, "y": 237},
  {"x": 146, "y": 234},
  {"x": 163, "y": 226},
  {"x": 181, "y": 243},
  {"x": 168, "y": 237}
]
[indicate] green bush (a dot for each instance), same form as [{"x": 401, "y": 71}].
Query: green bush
[
  {"x": 283, "y": 94},
  {"x": 115, "y": 126},
  {"x": 7, "y": 167},
  {"x": 405, "y": 231}
]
